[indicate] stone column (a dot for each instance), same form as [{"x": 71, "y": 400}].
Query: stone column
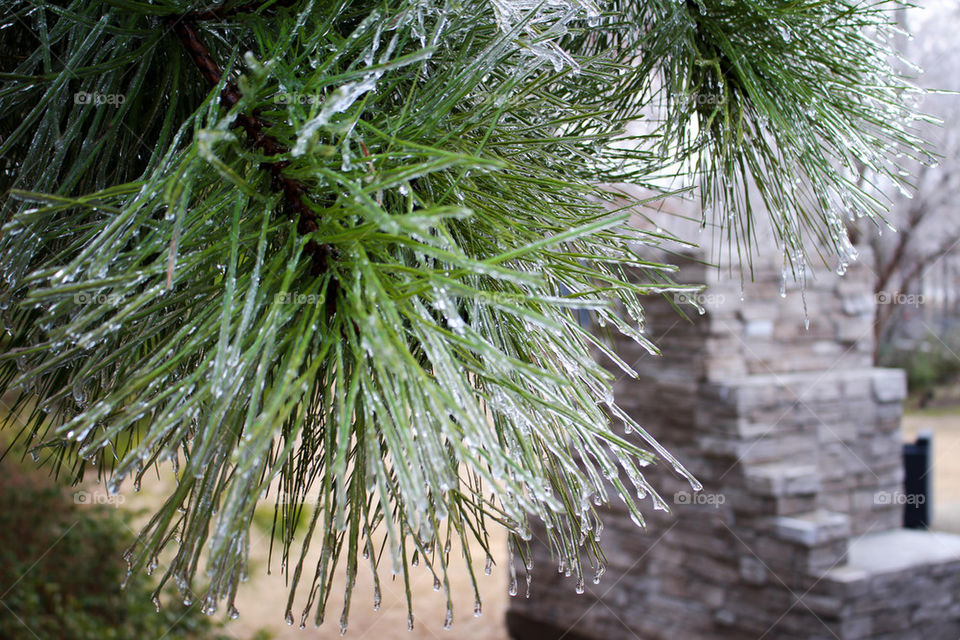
[{"x": 795, "y": 437}]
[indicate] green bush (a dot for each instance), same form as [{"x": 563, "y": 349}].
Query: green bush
[
  {"x": 929, "y": 365},
  {"x": 61, "y": 568}
]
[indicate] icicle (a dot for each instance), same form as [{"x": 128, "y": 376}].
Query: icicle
[
  {"x": 806, "y": 316},
  {"x": 599, "y": 574},
  {"x": 210, "y": 605},
  {"x": 448, "y": 619}
]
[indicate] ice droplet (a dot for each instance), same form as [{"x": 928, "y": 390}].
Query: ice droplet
[
  {"x": 210, "y": 605},
  {"x": 599, "y": 574},
  {"x": 448, "y": 619}
]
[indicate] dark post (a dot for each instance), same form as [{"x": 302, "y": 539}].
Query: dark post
[{"x": 917, "y": 467}]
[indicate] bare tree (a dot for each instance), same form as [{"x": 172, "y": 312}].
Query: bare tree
[{"x": 928, "y": 228}]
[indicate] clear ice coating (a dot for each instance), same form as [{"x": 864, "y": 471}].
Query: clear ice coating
[
  {"x": 448, "y": 618},
  {"x": 545, "y": 21},
  {"x": 344, "y": 96}
]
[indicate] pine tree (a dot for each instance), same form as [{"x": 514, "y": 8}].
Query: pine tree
[{"x": 342, "y": 249}]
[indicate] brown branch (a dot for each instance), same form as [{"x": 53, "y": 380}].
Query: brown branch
[
  {"x": 945, "y": 247},
  {"x": 907, "y": 280},
  {"x": 293, "y": 191}
]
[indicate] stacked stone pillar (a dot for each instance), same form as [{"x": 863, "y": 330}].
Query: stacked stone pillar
[{"x": 795, "y": 437}]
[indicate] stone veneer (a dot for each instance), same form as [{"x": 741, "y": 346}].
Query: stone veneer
[{"x": 796, "y": 438}]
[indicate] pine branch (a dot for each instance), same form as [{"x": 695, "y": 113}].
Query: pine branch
[
  {"x": 293, "y": 191},
  {"x": 433, "y": 380}
]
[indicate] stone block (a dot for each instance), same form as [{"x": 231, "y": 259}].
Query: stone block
[
  {"x": 782, "y": 479},
  {"x": 752, "y": 570},
  {"x": 812, "y": 529},
  {"x": 889, "y": 385}
]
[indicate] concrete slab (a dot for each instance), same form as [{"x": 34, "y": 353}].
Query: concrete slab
[{"x": 897, "y": 550}]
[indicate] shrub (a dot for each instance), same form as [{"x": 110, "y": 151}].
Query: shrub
[{"x": 61, "y": 571}]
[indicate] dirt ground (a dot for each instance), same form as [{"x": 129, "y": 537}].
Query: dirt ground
[{"x": 262, "y": 600}]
